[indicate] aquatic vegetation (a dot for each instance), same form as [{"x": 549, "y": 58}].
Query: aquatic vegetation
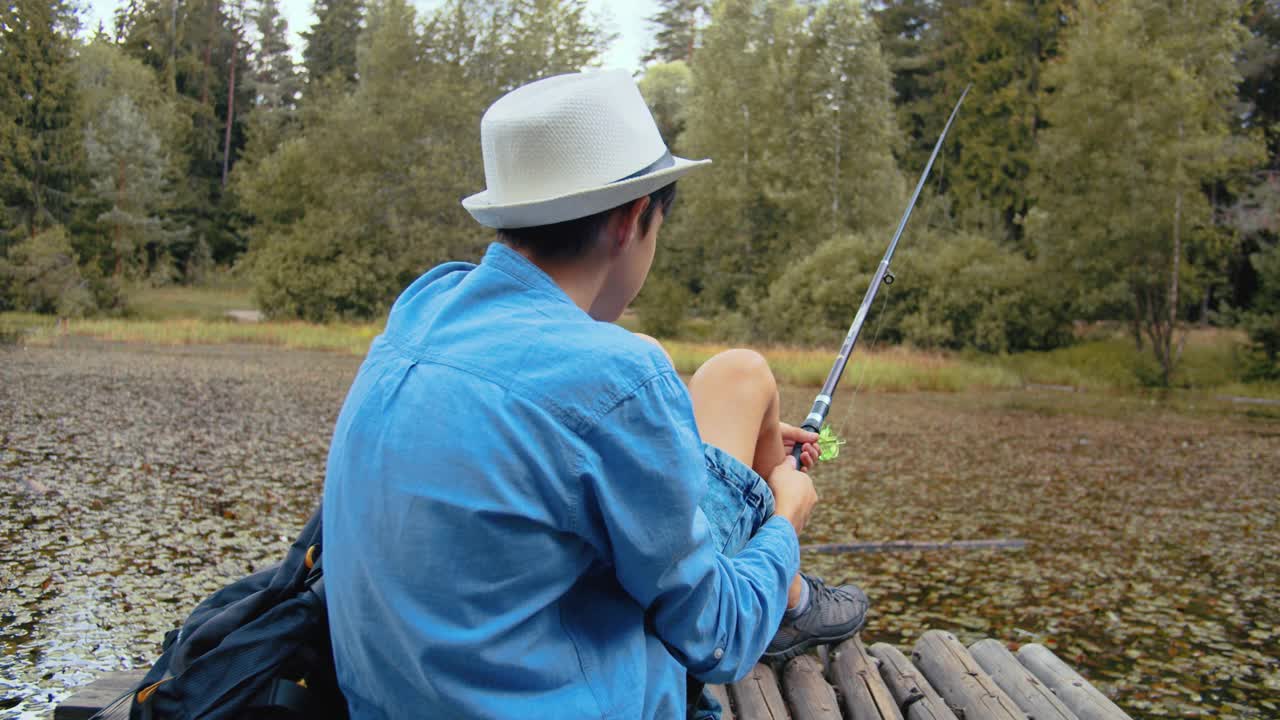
[{"x": 135, "y": 479}]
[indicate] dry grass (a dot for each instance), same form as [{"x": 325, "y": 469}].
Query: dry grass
[
  {"x": 894, "y": 369},
  {"x": 351, "y": 338},
  {"x": 1108, "y": 362}
]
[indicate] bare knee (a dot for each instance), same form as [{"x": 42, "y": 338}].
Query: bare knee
[{"x": 745, "y": 370}]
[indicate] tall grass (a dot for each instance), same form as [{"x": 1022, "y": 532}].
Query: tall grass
[
  {"x": 353, "y": 338},
  {"x": 1209, "y": 359},
  {"x": 1209, "y": 363},
  {"x": 892, "y": 370}
]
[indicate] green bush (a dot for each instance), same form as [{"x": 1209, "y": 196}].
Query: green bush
[
  {"x": 40, "y": 274},
  {"x": 953, "y": 291},
  {"x": 662, "y": 306}
]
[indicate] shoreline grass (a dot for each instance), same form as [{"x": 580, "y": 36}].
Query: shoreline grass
[
  {"x": 1210, "y": 363},
  {"x": 349, "y": 338},
  {"x": 895, "y": 369}
]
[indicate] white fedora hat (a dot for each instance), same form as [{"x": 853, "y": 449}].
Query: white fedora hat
[{"x": 570, "y": 146}]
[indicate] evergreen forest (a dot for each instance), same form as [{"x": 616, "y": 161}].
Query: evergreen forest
[{"x": 1116, "y": 162}]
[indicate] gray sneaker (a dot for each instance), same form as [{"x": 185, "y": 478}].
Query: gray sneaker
[{"x": 834, "y": 615}]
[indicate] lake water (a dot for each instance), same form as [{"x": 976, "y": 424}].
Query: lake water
[{"x": 136, "y": 480}]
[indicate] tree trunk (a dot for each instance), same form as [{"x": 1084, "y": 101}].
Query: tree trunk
[
  {"x": 1136, "y": 324},
  {"x": 208, "y": 51},
  {"x": 231, "y": 114},
  {"x": 1170, "y": 359},
  {"x": 171, "y": 72},
  {"x": 835, "y": 180},
  {"x": 118, "y": 232}
]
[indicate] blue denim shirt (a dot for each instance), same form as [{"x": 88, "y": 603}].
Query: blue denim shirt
[{"x": 511, "y": 521}]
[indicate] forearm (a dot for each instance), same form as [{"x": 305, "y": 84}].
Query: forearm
[{"x": 720, "y": 628}]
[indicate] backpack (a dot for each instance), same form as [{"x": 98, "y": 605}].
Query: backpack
[{"x": 258, "y": 648}]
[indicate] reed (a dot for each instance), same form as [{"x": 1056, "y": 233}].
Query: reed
[
  {"x": 895, "y": 369},
  {"x": 353, "y": 338},
  {"x": 1210, "y": 362}
]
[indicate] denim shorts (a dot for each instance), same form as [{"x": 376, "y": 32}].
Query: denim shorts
[{"x": 737, "y": 501}]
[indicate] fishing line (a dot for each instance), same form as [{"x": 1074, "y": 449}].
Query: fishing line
[
  {"x": 862, "y": 375},
  {"x": 817, "y": 416}
]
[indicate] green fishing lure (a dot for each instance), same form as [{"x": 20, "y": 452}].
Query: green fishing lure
[{"x": 829, "y": 443}]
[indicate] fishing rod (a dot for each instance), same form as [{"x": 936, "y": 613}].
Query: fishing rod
[{"x": 822, "y": 403}]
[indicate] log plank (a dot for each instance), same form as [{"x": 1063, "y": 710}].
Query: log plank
[
  {"x": 91, "y": 698},
  {"x": 806, "y": 691},
  {"x": 911, "y": 691},
  {"x": 757, "y": 697},
  {"x": 722, "y": 696},
  {"x": 1033, "y": 696},
  {"x": 856, "y": 675},
  {"x": 1078, "y": 694},
  {"x": 960, "y": 680}
]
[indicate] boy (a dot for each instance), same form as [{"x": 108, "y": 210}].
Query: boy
[{"x": 526, "y": 512}]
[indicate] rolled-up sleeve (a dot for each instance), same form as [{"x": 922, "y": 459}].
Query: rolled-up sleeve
[{"x": 643, "y": 476}]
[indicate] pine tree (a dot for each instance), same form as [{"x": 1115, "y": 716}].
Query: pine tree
[
  {"x": 1002, "y": 48},
  {"x": 793, "y": 104},
  {"x": 852, "y": 131},
  {"x": 194, "y": 47},
  {"x": 365, "y": 196},
  {"x": 133, "y": 135},
  {"x": 729, "y": 225},
  {"x": 678, "y": 25},
  {"x": 907, "y": 28},
  {"x": 330, "y": 51},
  {"x": 41, "y": 156},
  {"x": 276, "y": 83},
  {"x": 275, "y": 80},
  {"x": 544, "y": 37},
  {"x": 127, "y": 160},
  {"x": 1259, "y": 64}
]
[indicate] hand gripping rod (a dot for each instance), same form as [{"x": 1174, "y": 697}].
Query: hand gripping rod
[{"x": 822, "y": 403}]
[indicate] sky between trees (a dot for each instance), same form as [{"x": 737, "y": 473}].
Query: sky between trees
[{"x": 627, "y": 18}]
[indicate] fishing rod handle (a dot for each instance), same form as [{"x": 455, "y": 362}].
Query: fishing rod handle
[{"x": 798, "y": 449}]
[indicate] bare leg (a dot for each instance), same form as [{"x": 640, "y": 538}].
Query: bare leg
[{"x": 735, "y": 403}]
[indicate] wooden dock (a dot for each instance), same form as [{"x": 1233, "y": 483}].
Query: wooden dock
[{"x": 940, "y": 680}]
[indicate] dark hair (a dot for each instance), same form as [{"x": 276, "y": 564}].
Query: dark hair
[{"x": 572, "y": 239}]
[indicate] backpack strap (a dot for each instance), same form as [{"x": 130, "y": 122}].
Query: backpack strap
[
  {"x": 142, "y": 699},
  {"x": 286, "y": 695},
  {"x": 293, "y": 697}
]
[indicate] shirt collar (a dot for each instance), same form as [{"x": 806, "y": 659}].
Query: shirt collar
[{"x": 500, "y": 257}]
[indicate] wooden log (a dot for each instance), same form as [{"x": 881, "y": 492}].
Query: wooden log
[
  {"x": 722, "y": 696},
  {"x": 91, "y": 698},
  {"x": 1033, "y": 696},
  {"x": 911, "y": 691},
  {"x": 960, "y": 681},
  {"x": 857, "y": 676},
  {"x": 757, "y": 697},
  {"x": 1078, "y": 694},
  {"x": 806, "y": 691},
  {"x": 914, "y": 546}
]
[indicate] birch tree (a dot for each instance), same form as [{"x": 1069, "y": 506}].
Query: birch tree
[{"x": 1139, "y": 125}]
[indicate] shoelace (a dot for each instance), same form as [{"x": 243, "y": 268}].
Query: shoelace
[{"x": 825, "y": 592}]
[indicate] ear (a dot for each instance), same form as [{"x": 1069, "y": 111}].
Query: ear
[{"x": 624, "y": 224}]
